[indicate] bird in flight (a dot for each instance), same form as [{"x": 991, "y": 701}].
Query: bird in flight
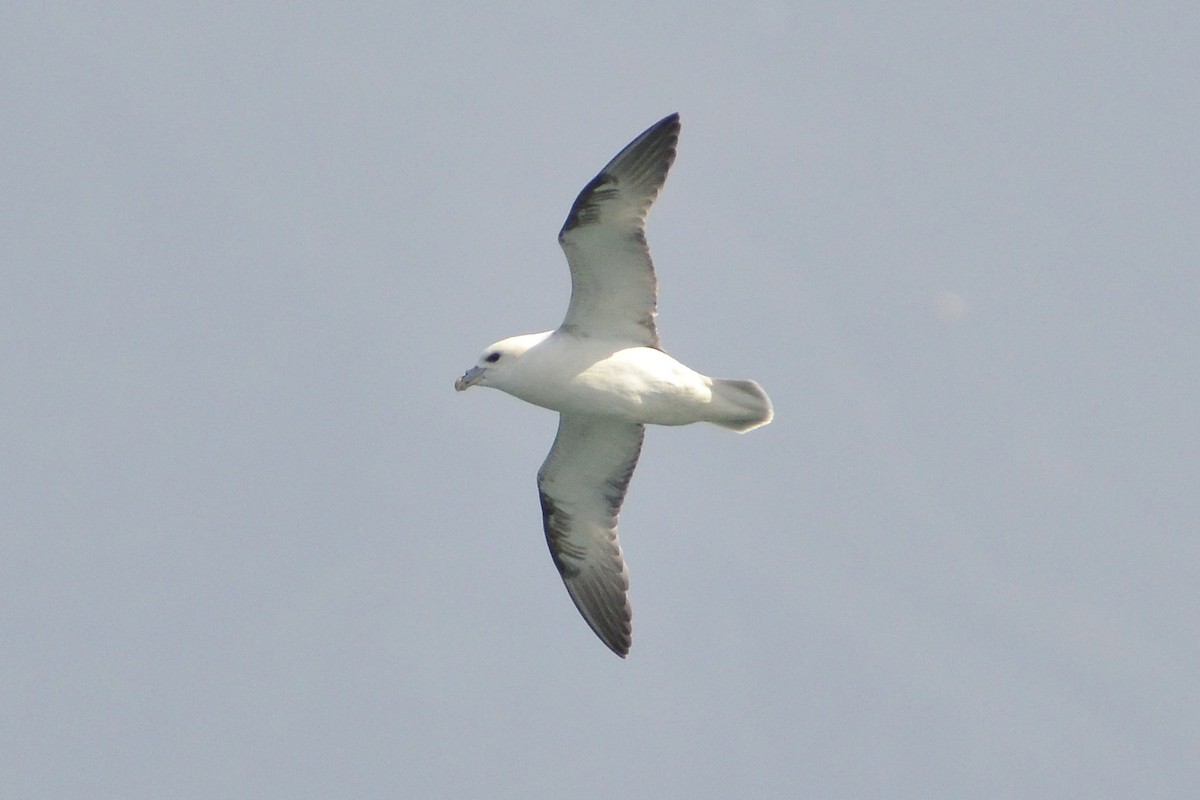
[{"x": 605, "y": 373}]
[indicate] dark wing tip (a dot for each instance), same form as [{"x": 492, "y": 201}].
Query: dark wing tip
[
  {"x": 671, "y": 122},
  {"x": 621, "y": 649},
  {"x": 612, "y": 625},
  {"x": 644, "y": 161},
  {"x": 668, "y": 125},
  {"x": 617, "y": 634},
  {"x": 648, "y": 157}
]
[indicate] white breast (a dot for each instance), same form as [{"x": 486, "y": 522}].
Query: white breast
[{"x": 636, "y": 384}]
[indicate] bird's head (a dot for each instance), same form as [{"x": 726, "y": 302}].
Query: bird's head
[{"x": 499, "y": 362}]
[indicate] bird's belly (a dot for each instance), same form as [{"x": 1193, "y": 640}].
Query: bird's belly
[{"x": 637, "y": 385}]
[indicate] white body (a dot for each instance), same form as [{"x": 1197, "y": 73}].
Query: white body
[
  {"x": 612, "y": 379},
  {"x": 635, "y": 384}
]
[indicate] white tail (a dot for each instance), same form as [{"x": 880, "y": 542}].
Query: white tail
[{"x": 740, "y": 405}]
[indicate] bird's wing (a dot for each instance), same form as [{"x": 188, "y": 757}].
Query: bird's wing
[
  {"x": 582, "y": 484},
  {"x": 613, "y": 288}
]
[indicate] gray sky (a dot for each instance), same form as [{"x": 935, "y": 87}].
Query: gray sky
[{"x": 253, "y": 545}]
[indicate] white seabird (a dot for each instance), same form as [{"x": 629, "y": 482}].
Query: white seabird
[{"x": 606, "y": 374}]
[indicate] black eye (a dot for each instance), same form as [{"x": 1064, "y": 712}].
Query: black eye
[{"x": 492, "y": 358}]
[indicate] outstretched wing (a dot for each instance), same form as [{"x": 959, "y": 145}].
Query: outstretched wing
[
  {"x": 613, "y": 288},
  {"x": 582, "y": 483}
]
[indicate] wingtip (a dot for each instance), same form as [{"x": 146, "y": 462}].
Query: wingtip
[
  {"x": 619, "y": 647},
  {"x": 617, "y": 639},
  {"x": 670, "y": 121},
  {"x": 620, "y": 644}
]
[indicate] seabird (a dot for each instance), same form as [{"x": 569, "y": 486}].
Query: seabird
[{"x": 605, "y": 372}]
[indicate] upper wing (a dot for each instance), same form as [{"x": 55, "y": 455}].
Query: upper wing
[
  {"x": 582, "y": 484},
  {"x": 613, "y": 289}
]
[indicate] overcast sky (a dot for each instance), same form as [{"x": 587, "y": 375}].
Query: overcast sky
[{"x": 252, "y": 544}]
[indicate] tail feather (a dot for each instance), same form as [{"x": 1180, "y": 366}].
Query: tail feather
[{"x": 740, "y": 405}]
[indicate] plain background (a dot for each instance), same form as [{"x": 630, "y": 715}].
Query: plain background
[{"x": 253, "y": 545}]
